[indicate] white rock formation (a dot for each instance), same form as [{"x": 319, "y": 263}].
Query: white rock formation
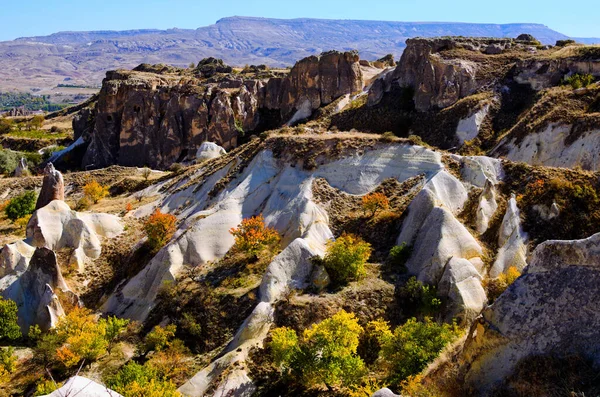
[
  {"x": 33, "y": 292},
  {"x": 512, "y": 241},
  {"x": 461, "y": 283},
  {"x": 83, "y": 387},
  {"x": 56, "y": 226},
  {"x": 486, "y": 208},
  {"x": 208, "y": 151},
  {"x": 476, "y": 170},
  {"x": 15, "y": 257},
  {"x": 22, "y": 169},
  {"x": 548, "y": 148},
  {"x": 468, "y": 128}
]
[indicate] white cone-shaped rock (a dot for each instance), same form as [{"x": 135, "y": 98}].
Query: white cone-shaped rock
[
  {"x": 22, "y": 169},
  {"x": 486, "y": 208},
  {"x": 441, "y": 238},
  {"x": 461, "y": 283},
  {"x": 512, "y": 242},
  {"x": 209, "y": 150}
]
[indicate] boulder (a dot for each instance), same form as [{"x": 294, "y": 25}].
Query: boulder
[
  {"x": 494, "y": 49},
  {"x": 34, "y": 293},
  {"x": 209, "y": 150},
  {"x": 461, "y": 284},
  {"x": 526, "y": 37},
  {"x": 53, "y": 187},
  {"x": 552, "y": 309},
  {"x": 385, "y": 392}
]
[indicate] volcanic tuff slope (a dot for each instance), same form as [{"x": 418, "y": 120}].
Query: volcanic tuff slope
[
  {"x": 469, "y": 218},
  {"x": 83, "y": 57}
]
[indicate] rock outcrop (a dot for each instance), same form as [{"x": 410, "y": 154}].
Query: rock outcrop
[
  {"x": 53, "y": 187},
  {"x": 56, "y": 226},
  {"x": 34, "y": 294},
  {"x": 153, "y": 119},
  {"x": 551, "y": 309}
]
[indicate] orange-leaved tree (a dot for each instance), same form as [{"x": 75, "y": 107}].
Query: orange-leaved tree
[
  {"x": 252, "y": 235},
  {"x": 374, "y": 202},
  {"x": 159, "y": 228}
]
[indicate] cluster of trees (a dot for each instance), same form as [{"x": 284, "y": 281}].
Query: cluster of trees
[
  {"x": 9, "y": 100},
  {"x": 326, "y": 354}
]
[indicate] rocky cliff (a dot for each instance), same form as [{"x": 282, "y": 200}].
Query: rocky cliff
[{"x": 155, "y": 119}]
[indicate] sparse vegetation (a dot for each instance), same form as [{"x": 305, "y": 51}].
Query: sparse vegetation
[
  {"x": 8, "y": 161},
  {"x": 345, "y": 258},
  {"x": 21, "y": 206},
  {"x": 399, "y": 255},
  {"x": 159, "y": 229}
]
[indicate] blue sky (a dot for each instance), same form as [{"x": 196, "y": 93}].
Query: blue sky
[{"x": 40, "y": 17}]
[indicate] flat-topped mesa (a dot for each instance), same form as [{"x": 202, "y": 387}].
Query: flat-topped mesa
[{"x": 159, "y": 115}]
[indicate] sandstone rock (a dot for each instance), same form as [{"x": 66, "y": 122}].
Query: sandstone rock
[
  {"x": 209, "y": 150},
  {"x": 83, "y": 387},
  {"x": 437, "y": 82},
  {"x": 151, "y": 119},
  {"x": 486, "y": 208},
  {"x": 34, "y": 294},
  {"x": 526, "y": 37},
  {"x": 384, "y": 62},
  {"x": 14, "y": 258},
  {"x": 551, "y": 309},
  {"x": 461, "y": 284},
  {"x": 468, "y": 128},
  {"x": 441, "y": 238},
  {"x": 22, "y": 169},
  {"x": 477, "y": 170},
  {"x": 493, "y": 49},
  {"x": 53, "y": 187},
  {"x": 208, "y": 67},
  {"x": 512, "y": 242},
  {"x": 56, "y": 226}
]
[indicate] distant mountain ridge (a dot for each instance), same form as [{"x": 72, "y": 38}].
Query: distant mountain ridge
[{"x": 84, "y": 57}]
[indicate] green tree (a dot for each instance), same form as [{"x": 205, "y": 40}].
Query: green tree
[
  {"x": 137, "y": 380},
  {"x": 413, "y": 345},
  {"x": 21, "y": 206},
  {"x": 9, "y": 328},
  {"x": 345, "y": 258},
  {"x": 325, "y": 354},
  {"x": 8, "y": 161}
]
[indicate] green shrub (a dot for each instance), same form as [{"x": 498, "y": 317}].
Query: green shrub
[
  {"x": 5, "y": 125},
  {"x": 416, "y": 298},
  {"x": 564, "y": 43},
  {"x": 345, "y": 258},
  {"x": 399, "y": 255},
  {"x": 8, "y": 361},
  {"x": 21, "y": 206},
  {"x": 324, "y": 355},
  {"x": 8, "y": 161},
  {"x": 579, "y": 80},
  {"x": 413, "y": 345},
  {"x": 9, "y": 328},
  {"x": 159, "y": 338},
  {"x": 136, "y": 380}
]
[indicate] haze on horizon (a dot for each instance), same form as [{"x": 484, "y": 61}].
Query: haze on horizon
[{"x": 38, "y": 18}]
